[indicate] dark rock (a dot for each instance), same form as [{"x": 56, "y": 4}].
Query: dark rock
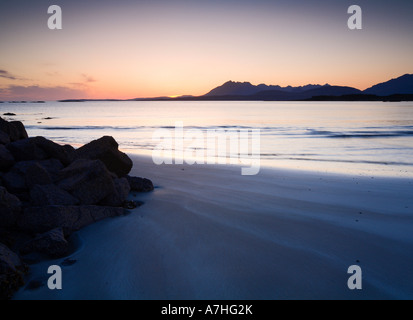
[
  {"x": 26, "y": 149},
  {"x": 4, "y": 138},
  {"x": 18, "y": 131},
  {"x": 11, "y": 272},
  {"x": 140, "y": 184},
  {"x": 10, "y": 208},
  {"x": 120, "y": 195},
  {"x": 35, "y": 284},
  {"x": 6, "y": 159},
  {"x": 70, "y": 218},
  {"x": 122, "y": 187},
  {"x": 87, "y": 180},
  {"x": 7, "y": 237},
  {"x": 25, "y": 174},
  {"x": 39, "y": 148},
  {"x": 10, "y": 114},
  {"x": 15, "y": 130},
  {"x": 70, "y": 151},
  {"x": 132, "y": 204},
  {"x": 65, "y": 154},
  {"x": 129, "y": 205},
  {"x": 50, "y": 195},
  {"x": 51, "y": 243},
  {"x": 37, "y": 175},
  {"x": 53, "y": 167},
  {"x": 106, "y": 150},
  {"x": 15, "y": 182}
]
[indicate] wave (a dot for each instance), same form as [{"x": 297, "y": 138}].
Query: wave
[
  {"x": 388, "y": 163},
  {"x": 43, "y": 127},
  {"x": 81, "y": 128},
  {"x": 365, "y": 134}
]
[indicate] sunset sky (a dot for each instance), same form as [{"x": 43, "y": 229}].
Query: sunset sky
[{"x": 148, "y": 48}]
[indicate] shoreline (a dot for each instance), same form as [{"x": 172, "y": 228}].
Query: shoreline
[
  {"x": 361, "y": 169},
  {"x": 207, "y": 232}
]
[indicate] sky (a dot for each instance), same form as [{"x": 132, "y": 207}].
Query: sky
[{"x": 150, "y": 48}]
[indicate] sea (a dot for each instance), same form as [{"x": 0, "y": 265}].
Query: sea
[{"x": 361, "y": 138}]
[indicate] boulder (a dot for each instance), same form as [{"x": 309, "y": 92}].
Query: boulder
[
  {"x": 70, "y": 218},
  {"x": 10, "y": 208},
  {"x": 7, "y": 237},
  {"x": 24, "y": 150},
  {"x": 4, "y": 138},
  {"x": 6, "y": 159},
  {"x": 25, "y": 174},
  {"x": 53, "y": 167},
  {"x": 51, "y": 243},
  {"x": 11, "y": 272},
  {"x": 15, "y": 182},
  {"x": 70, "y": 151},
  {"x": 18, "y": 131},
  {"x": 14, "y": 129},
  {"x": 87, "y": 180},
  {"x": 50, "y": 195},
  {"x": 106, "y": 150},
  {"x": 120, "y": 195},
  {"x": 140, "y": 184},
  {"x": 39, "y": 148},
  {"x": 37, "y": 175},
  {"x": 65, "y": 154}
]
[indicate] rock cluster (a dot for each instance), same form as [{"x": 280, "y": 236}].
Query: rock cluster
[{"x": 48, "y": 191}]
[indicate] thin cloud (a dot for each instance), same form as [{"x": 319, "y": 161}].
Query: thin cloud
[
  {"x": 41, "y": 93},
  {"x": 88, "y": 78},
  {"x": 78, "y": 84},
  {"x": 5, "y": 74},
  {"x": 53, "y": 74}
]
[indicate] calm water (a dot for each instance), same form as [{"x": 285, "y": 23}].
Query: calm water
[{"x": 353, "y": 137}]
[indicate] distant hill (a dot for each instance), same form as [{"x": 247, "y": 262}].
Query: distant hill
[
  {"x": 331, "y": 91},
  {"x": 401, "y": 85},
  {"x": 232, "y": 88},
  {"x": 246, "y": 91}
]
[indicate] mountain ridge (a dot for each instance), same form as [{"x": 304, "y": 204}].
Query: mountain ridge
[
  {"x": 400, "y": 85},
  {"x": 397, "y": 89},
  {"x": 246, "y": 88}
]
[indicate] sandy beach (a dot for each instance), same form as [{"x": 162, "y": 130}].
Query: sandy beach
[{"x": 207, "y": 232}]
